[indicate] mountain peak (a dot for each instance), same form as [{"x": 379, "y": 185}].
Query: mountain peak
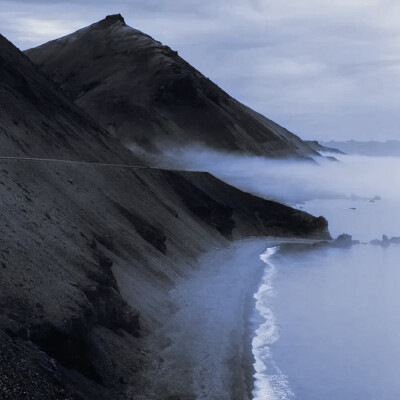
[
  {"x": 151, "y": 96},
  {"x": 112, "y": 19}
]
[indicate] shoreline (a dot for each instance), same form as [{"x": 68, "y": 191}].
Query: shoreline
[
  {"x": 248, "y": 358},
  {"x": 205, "y": 348},
  {"x": 252, "y": 317}
]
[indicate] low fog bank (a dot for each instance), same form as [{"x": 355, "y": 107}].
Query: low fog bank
[
  {"x": 358, "y": 195},
  {"x": 293, "y": 182}
]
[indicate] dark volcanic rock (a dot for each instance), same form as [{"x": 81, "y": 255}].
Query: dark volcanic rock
[
  {"x": 154, "y": 236},
  {"x": 26, "y": 373},
  {"x": 344, "y": 240},
  {"x": 145, "y": 94},
  {"x": 90, "y": 252},
  {"x": 385, "y": 242}
]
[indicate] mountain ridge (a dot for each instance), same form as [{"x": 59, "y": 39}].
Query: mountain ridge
[
  {"x": 147, "y": 95},
  {"x": 389, "y": 148}
]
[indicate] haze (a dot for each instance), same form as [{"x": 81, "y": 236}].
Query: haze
[
  {"x": 295, "y": 181},
  {"x": 325, "y": 70},
  {"x": 358, "y": 195}
]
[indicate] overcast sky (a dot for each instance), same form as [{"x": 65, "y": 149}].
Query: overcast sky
[{"x": 324, "y": 69}]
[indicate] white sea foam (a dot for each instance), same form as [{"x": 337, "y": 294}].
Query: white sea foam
[{"x": 270, "y": 382}]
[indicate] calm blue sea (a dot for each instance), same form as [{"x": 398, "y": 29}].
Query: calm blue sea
[{"x": 330, "y": 319}]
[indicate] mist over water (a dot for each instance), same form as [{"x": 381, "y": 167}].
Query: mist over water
[
  {"x": 330, "y": 326},
  {"x": 358, "y": 195}
]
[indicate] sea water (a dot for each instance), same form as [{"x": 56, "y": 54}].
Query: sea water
[
  {"x": 337, "y": 314},
  {"x": 330, "y": 318}
]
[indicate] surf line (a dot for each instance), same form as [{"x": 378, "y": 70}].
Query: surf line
[{"x": 269, "y": 382}]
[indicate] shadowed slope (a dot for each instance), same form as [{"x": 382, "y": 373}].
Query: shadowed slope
[{"x": 38, "y": 120}]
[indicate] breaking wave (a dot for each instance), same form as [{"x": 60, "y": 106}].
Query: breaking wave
[{"x": 270, "y": 383}]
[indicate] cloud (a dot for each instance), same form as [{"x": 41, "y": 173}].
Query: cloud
[{"x": 323, "y": 69}]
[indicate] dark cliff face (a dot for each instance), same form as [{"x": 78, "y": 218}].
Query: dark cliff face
[
  {"x": 147, "y": 95},
  {"x": 89, "y": 252}
]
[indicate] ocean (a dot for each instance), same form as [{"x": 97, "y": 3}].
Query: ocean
[{"x": 329, "y": 319}]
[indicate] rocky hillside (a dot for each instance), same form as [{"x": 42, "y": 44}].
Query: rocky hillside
[
  {"x": 38, "y": 120},
  {"x": 89, "y": 251},
  {"x": 148, "y": 96}
]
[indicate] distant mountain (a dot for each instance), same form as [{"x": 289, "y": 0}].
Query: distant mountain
[
  {"x": 390, "y": 148},
  {"x": 317, "y": 146},
  {"x": 90, "y": 252},
  {"x": 148, "y": 96}
]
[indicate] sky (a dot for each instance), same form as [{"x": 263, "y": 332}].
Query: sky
[{"x": 325, "y": 70}]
